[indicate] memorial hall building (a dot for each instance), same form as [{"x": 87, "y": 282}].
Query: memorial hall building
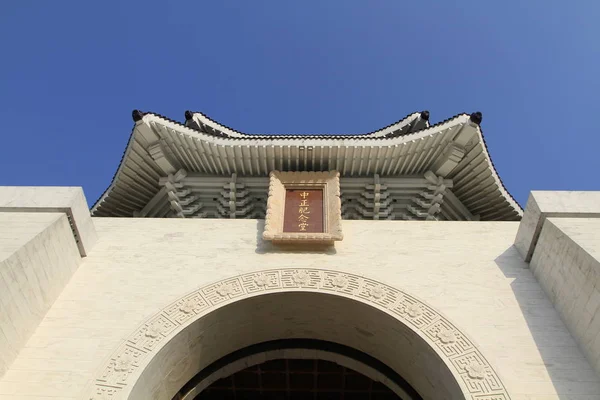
[{"x": 225, "y": 265}]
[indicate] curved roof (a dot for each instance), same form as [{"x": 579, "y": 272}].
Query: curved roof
[
  {"x": 410, "y": 146},
  {"x": 410, "y": 123}
]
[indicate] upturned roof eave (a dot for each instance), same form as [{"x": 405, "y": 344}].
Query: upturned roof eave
[
  {"x": 231, "y": 132},
  {"x": 194, "y": 132},
  {"x": 505, "y": 193},
  {"x": 326, "y": 140},
  {"x": 330, "y": 138},
  {"x": 114, "y": 179}
]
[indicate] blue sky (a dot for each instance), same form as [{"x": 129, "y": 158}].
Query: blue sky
[{"x": 71, "y": 73}]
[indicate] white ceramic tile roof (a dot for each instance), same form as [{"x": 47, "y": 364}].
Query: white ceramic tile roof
[{"x": 406, "y": 148}]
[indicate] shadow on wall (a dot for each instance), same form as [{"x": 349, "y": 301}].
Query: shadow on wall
[
  {"x": 566, "y": 366},
  {"x": 265, "y": 246}
]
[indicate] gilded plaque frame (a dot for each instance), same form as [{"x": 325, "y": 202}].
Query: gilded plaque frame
[{"x": 328, "y": 181}]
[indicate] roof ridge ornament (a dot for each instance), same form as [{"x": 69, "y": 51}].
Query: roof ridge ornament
[
  {"x": 476, "y": 117},
  {"x": 137, "y": 115},
  {"x": 425, "y": 115}
]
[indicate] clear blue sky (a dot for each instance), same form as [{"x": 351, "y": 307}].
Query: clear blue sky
[{"x": 72, "y": 72}]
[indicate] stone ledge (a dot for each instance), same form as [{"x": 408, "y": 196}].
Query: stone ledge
[
  {"x": 545, "y": 204},
  {"x": 69, "y": 200},
  {"x": 567, "y": 265}
]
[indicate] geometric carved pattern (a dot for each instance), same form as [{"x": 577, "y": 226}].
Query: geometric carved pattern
[{"x": 467, "y": 363}]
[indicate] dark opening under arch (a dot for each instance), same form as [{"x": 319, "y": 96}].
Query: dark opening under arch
[{"x": 342, "y": 382}]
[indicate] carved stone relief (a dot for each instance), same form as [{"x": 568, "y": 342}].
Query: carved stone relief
[{"x": 465, "y": 361}]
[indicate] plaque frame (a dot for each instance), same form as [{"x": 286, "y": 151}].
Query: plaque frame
[{"x": 279, "y": 182}]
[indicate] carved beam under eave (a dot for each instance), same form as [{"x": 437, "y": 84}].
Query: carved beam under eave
[
  {"x": 156, "y": 207},
  {"x": 152, "y": 142},
  {"x": 376, "y": 196},
  {"x": 427, "y": 204},
  {"x": 456, "y": 150},
  {"x": 458, "y": 210},
  {"x": 144, "y": 132},
  {"x": 234, "y": 201},
  {"x": 155, "y": 204},
  {"x": 232, "y": 196},
  {"x": 158, "y": 154},
  {"x": 449, "y": 159},
  {"x": 182, "y": 201}
]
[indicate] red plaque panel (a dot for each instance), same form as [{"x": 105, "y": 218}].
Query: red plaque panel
[{"x": 303, "y": 211}]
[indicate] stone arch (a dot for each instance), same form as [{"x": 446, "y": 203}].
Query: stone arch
[{"x": 397, "y": 318}]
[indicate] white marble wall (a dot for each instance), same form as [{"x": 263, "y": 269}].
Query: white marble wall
[
  {"x": 566, "y": 262},
  {"x": 547, "y": 204},
  {"x": 38, "y": 256},
  {"x": 68, "y": 200},
  {"x": 469, "y": 271}
]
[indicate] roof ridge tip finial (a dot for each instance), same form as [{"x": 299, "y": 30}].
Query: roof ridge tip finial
[
  {"x": 425, "y": 115},
  {"x": 137, "y": 115},
  {"x": 188, "y": 115},
  {"x": 476, "y": 117}
]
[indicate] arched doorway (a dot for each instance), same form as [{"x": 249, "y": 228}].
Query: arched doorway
[
  {"x": 290, "y": 369},
  {"x": 291, "y": 379},
  {"x": 404, "y": 335}
]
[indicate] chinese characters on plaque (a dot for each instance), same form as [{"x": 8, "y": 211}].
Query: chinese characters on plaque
[
  {"x": 303, "y": 211},
  {"x": 304, "y": 207}
]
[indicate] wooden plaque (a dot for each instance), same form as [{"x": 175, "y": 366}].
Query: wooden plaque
[
  {"x": 303, "y": 211},
  {"x": 304, "y": 207}
]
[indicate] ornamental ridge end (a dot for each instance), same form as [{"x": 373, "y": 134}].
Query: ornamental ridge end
[
  {"x": 476, "y": 117},
  {"x": 137, "y": 115}
]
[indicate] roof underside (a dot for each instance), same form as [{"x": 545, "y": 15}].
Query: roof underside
[{"x": 452, "y": 150}]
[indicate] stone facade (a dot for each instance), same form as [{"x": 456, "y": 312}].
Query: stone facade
[{"x": 145, "y": 293}]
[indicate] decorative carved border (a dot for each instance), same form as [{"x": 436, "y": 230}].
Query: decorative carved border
[
  {"x": 332, "y": 205},
  {"x": 473, "y": 372}
]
